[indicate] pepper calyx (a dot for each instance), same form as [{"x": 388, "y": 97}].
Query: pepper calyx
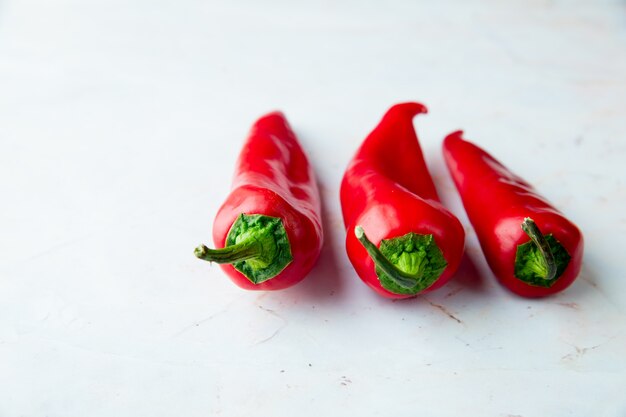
[
  {"x": 256, "y": 245},
  {"x": 407, "y": 264},
  {"x": 542, "y": 260}
]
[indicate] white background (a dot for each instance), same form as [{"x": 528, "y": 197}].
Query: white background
[{"x": 120, "y": 122}]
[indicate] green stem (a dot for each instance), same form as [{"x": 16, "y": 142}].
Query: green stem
[
  {"x": 398, "y": 276},
  {"x": 230, "y": 254},
  {"x": 531, "y": 229}
]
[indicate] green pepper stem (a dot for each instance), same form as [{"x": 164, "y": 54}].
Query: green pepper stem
[
  {"x": 230, "y": 254},
  {"x": 397, "y": 275},
  {"x": 532, "y": 230}
]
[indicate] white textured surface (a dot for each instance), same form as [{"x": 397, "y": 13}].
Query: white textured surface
[{"x": 119, "y": 126}]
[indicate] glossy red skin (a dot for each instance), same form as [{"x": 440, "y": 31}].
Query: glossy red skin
[
  {"x": 497, "y": 201},
  {"x": 387, "y": 189},
  {"x": 273, "y": 177}
]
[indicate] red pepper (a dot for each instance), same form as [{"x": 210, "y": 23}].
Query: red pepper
[
  {"x": 388, "y": 193},
  {"x": 269, "y": 230},
  {"x": 530, "y": 246}
]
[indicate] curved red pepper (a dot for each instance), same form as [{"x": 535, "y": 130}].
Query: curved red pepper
[
  {"x": 499, "y": 205},
  {"x": 270, "y": 225},
  {"x": 388, "y": 191}
]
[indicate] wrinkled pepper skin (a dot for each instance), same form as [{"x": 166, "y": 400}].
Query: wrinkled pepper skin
[
  {"x": 387, "y": 190},
  {"x": 497, "y": 202},
  {"x": 274, "y": 178}
]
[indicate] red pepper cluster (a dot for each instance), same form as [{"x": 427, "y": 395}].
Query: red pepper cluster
[{"x": 400, "y": 239}]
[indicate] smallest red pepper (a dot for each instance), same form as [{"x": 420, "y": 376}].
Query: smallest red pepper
[{"x": 530, "y": 246}]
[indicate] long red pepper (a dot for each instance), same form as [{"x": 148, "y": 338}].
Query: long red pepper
[
  {"x": 530, "y": 246},
  {"x": 401, "y": 240},
  {"x": 269, "y": 230}
]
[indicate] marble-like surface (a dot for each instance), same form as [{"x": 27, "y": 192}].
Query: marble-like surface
[{"x": 119, "y": 126}]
